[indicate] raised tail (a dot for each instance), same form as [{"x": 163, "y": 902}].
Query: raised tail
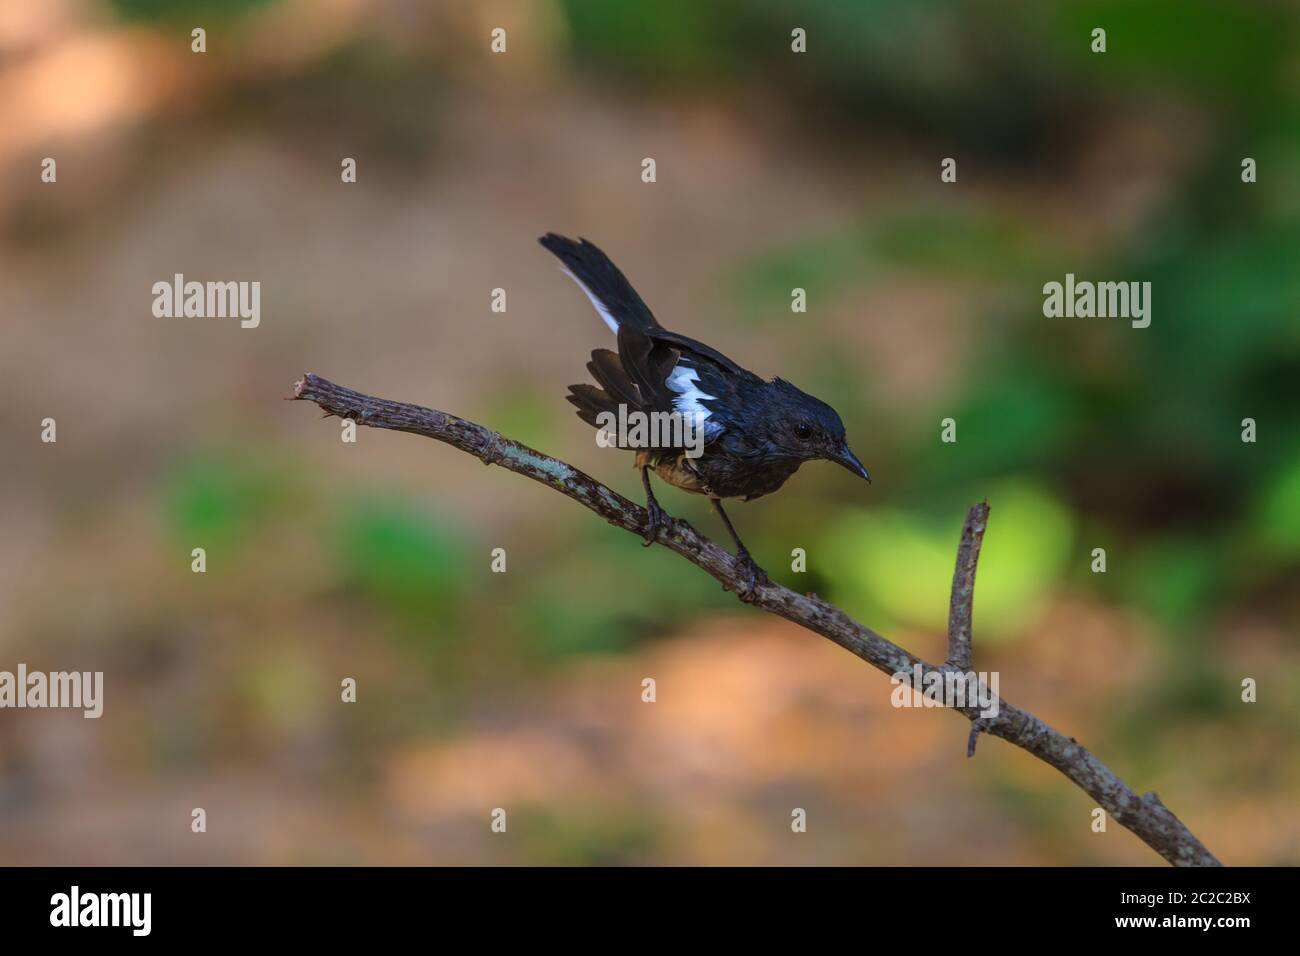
[{"x": 606, "y": 287}]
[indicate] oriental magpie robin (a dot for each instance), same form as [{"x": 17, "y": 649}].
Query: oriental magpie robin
[{"x": 756, "y": 434}]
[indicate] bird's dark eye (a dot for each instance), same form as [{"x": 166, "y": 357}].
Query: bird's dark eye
[{"x": 802, "y": 432}]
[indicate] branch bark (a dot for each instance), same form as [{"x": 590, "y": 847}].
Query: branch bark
[
  {"x": 961, "y": 605},
  {"x": 1144, "y": 815},
  {"x": 963, "y": 586}
]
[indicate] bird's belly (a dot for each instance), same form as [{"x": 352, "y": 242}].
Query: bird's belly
[
  {"x": 677, "y": 470},
  {"x": 718, "y": 476}
]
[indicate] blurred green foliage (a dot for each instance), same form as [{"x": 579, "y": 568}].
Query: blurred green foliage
[
  {"x": 184, "y": 9},
  {"x": 366, "y": 88},
  {"x": 953, "y": 242},
  {"x": 1210, "y": 47},
  {"x": 218, "y": 499},
  {"x": 899, "y": 563},
  {"x": 671, "y": 39},
  {"x": 403, "y": 557},
  {"x": 589, "y": 837},
  {"x": 627, "y": 594},
  {"x": 1276, "y": 520}
]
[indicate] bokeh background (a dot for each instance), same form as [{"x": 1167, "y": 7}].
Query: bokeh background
[{"x": 775, "y": 170}]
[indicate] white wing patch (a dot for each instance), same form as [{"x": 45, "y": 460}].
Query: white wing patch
[
  {"x": 684, "y": 380},
  {"x": 600, "y": 306}
]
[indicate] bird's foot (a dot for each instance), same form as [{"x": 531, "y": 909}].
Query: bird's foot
[
  {"x": 658, "y": 518},
  {"x": 749, "y": 577}
]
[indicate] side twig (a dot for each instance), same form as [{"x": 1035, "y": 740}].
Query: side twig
[
  {"x": 963, "y": 586},
  {"x": 961, "y": 608},
  {"x": 1145, "y": 815}
]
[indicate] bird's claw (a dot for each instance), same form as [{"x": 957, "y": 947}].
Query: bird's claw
[
  {"x": 656, "y": 520},
  {"x": 749, "y": 577}
]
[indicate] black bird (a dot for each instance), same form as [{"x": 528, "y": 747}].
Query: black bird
[{"x": 756, "y": 434}]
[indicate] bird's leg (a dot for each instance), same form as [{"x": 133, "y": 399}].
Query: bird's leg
[
  {"x": 751, "y": 575},
  {"x": 658, "y": 517}
]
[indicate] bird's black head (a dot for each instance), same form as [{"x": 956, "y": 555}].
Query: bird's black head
[{"x": 806, "y": 428}]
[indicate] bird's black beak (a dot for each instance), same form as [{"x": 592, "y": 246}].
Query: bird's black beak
[{"x": 850, "y": 461}]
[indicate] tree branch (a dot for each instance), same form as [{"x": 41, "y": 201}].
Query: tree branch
[
  {"x": 1144, "y": 815},
  {"x": 963, "y": 586}
]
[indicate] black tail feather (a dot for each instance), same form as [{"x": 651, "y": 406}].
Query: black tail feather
[
  {"x": 606, "y": 369},
  {"x": 591, "y": 402},
  {"x": 595, "y": 270}
]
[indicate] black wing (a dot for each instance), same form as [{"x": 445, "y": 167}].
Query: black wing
[{"x": 654, "y": 370}]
